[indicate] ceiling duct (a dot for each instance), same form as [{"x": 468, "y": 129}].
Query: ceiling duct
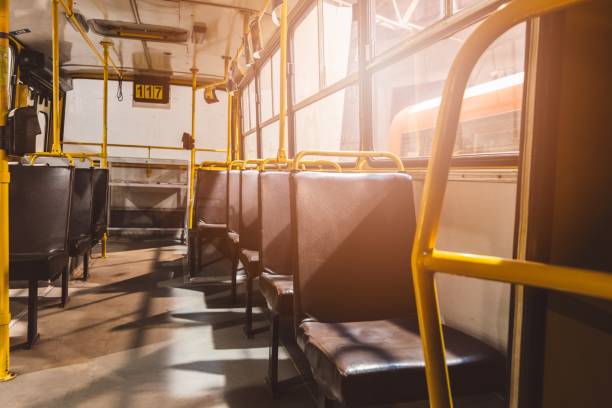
[{"x": 141, "y": 32}]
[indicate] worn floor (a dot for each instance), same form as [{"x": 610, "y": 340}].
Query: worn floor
[{"x": 135, "y": 335}]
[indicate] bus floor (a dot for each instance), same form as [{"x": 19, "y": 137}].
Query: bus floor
[{"x": 136, "y": 334}]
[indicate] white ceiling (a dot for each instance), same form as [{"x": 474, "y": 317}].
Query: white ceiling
[{"x": 223, "y": 36}]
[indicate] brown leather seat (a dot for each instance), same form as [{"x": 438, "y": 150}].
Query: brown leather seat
[
  {"x": 278, "y": 292},
  {"x": 80, "y": 234},
  {"x": 100, "y": 179},
  {"x": 209, "y": 212},
  {"x": 249, "y": 241},
  {"x": 276, "y": 283},
  {"x": 354, "y": 235},
  {"x": 378, "y": 362},
  {"x": 39, "y": 212}
]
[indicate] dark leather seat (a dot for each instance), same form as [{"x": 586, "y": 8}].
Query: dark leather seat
[
  {"x": 39, "y": 214},
  {"x": 354, "y": 293},
  {"x": 276, "y": 280},
  {"x": 99, "y": 222},
  {"x": 81, "y": 218},
  {"x": 210, "y": 212},
  {"x": 278, "y": 292},
  {"x": 249, "y": 242},
  {"x": 233, "y": 223},
  {"x": 379, "y": 362}
]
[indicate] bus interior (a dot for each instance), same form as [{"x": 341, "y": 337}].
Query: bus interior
[{"x": 305, "y": 203}]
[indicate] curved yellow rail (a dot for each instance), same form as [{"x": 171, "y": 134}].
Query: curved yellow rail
[
  {"x": 425, "y": 259},
  {"x": 356, "y": 153}
]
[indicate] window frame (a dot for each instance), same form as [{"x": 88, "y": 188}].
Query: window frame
[{"x": 452, "y": 22}]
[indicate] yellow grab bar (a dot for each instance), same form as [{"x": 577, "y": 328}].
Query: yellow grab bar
[
  {"x": 61, "y": 155},
  {"x": 239, "y": 164},
  {"x": 347, "y": 153},
  {"x": 425, "y": 259}
]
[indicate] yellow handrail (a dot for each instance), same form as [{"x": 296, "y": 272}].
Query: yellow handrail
[
  {"x": 239, "y": 164},
  {"x": 149, "y": 147},
  {"x": 426, "y": 260},
  {"x": 347, "y": 153},
  {"x": 60, "y": 155}
]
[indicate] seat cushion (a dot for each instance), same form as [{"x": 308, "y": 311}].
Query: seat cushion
[
  {"x": 212, "y": 230},
  {"x": 250, "y": 261},
  {"x": 46, "y": 266},
  {"x": 278, "y": 291},
  {"x": 381, "y": 362},
  {"x": 78, "y": 245}
]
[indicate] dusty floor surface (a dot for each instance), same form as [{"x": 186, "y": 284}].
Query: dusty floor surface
[
  {"x": 136, "y": 335},
  {"x": 140, "y": 333}
]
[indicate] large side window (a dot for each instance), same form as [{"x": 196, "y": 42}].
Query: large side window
[
  {"x": 406, "y": 98},
  {"x": 306, "y": 56},
  {"x": 395, "y": 20},
  {"x": 339, "y": 39}
]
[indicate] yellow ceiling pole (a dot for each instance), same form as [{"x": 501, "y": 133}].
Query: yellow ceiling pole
[
  {"x": 193, "y": 165},
  {"x": 282, "y": 122},
  {"x": 5, "y": 312},
  {"x": 56, "y": 147}
]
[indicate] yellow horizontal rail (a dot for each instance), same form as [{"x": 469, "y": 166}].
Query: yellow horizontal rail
[
  {"x": 136, "y": 146},
  {"x": 561, "y": 278},
  {"x": 346, "y": 153},
  {"x": 70, "y": 14}
]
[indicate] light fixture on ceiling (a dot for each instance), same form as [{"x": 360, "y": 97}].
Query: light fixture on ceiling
[
  {"x": 199, "y": 33},
  {"x": 210, "y": 95},
  {"x": 276, "y": 11},
  {"x": 256, "y": 48}
]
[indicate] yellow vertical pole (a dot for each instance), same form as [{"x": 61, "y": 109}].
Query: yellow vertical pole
[
  {"x": 236, "y": 118},
  {"x": 5, "y": 312},
  {"x": 56, "y": 147},
  {"x": 104, "y": 158},
  {"x": 282, "y": 122},
  {"x": 192, "y": 172}
]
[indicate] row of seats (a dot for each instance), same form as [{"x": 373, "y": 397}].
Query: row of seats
[
  {"x": 55, "y": 213},
  {"x": 332, "y": 254}
]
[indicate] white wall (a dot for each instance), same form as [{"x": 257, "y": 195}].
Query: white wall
[
  {"x": 145, "y": 124},
  {"x": 478, "y": 217}
]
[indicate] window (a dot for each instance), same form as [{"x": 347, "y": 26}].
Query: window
[
  {"x": 330, "y": 123},
  {"x": 276, "y": 83},
  {"x": 43, "y": 122},
  {"x": 306, "y": 56},
  {"x": 249, "y": 146},
  {"x": 269, "y": 140},
  {"x": 406, "y": 98},
  {"x": 395, "y": 20},
  {"x": 252, "y": 105},
  {"x": 265, "y": 91},
  {"x": 461, "y": 4},
  {"x": 246, "y": 119},
  {"x": 339, "y": 39},
  {"x": 11, "y": 63}
]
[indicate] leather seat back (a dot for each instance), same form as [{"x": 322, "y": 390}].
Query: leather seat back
[
  {"x": 233, "y": 200},
  {"x": 353, "y": 240},
  {"x": 275, "y": 218},
  {"x": 211, "y": 197},
  {"x": 81, "y": 207},
  {"x": 39, "y": 208},
  {"x": 100, "y": 179},
  {"x": 249, "y": 210}
]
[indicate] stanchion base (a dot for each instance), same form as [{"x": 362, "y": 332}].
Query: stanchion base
[{"x": 8, "y": 376}]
